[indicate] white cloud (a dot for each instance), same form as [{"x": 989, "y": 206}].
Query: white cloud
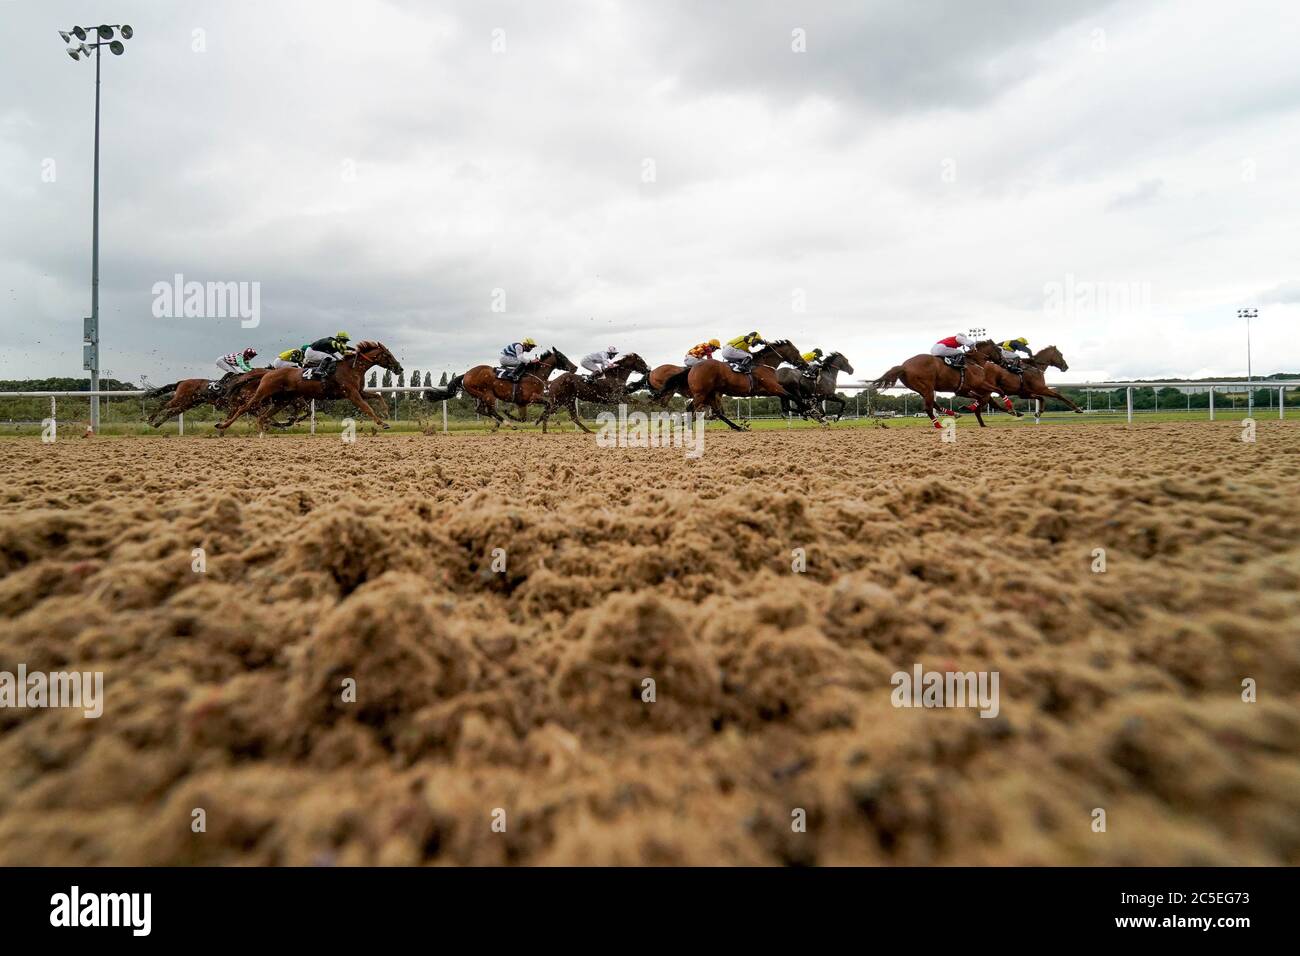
[{"x": 377, "y": 167}]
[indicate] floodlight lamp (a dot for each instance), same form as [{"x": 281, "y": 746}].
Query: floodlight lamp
[
  {"x": 67, "y": 37},
  {"x": 117, "y": 47},
  {"x": 127, "y": 32},
  {"x": 72, "y": 52},
  {"x": 79, "y": 33},
  {"x": 106, "y": 33}
]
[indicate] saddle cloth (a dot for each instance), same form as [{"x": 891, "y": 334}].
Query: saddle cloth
[
  {"x": 956, "y": 361},
  {"x": 739, "y": 367}
]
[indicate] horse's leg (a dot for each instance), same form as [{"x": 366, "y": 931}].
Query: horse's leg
[
  {"x": 355, "y": 397},
  {"x": 1053, "y": 393},
  {"x": 716, "y": 405},
  {"x": 240, "y": 409},
  {"x": 164, "y": 413},
  {"x": 489, "y": 408},
  {"x": 927, "y": 396},
  {"x": 573, "y": 413}
]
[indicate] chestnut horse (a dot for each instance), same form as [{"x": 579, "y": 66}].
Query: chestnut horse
[
  {"x": 481, "y": 381},
  {"x": 188, "y": 393},
  {"x": 281, "y": 386},
  {"x": 710, "y": 379},
  {"x": 607, "y": 388},
  {"x": 1030, "y": 381},
  {"x": 926, "y": 374}
]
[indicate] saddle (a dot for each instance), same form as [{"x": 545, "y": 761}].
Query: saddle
[
  {"x": 741, "y": 368},
  {"x": 955, "y": 361}
]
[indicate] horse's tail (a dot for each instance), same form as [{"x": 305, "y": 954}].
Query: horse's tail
[
  {"x": 890, "y": 378},
  {"x": 162, "y": 391},
  {"x": 455, "y": 385}
]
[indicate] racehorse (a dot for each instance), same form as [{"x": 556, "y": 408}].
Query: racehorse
[
  {"x": 926, "y": 374},
  {"x": 1030, "y": 382},
  {"x": 604, "y": 389},
  {"x": 818, "y": 390},
  {"x": 281, "y": 386},
  {"x": 189, "y": 393},
  {"x": 710, "y": 379},
  {"x": 481, "y": 381}
]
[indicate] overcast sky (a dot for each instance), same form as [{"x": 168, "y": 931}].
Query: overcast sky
[{"x": 1116, "y": 179}]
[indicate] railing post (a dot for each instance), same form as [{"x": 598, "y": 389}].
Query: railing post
[
  {"x": 1281, "y": 402},
  {"x": 1128, "y": 392},
  {"x": 1211, "y": 403},
  {"x": 181, "y": 423},
  {"x": 444, "y": 416}
]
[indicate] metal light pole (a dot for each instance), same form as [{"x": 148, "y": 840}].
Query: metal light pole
[
  {"x": 1249, "y": 314},
  {"x": 78, "y": 47}
]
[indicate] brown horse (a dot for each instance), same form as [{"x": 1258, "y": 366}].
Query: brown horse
[
  {"x": 189, "y": 393},
  {"x": 604, "y": 389},
  {"x": 926, "y": 374},
  {"x": 1030, "y": 382},
  {"x": 481, "y": 381},
  {"x": 710, "y": 379},
  {"x": 282, "y": 386}
]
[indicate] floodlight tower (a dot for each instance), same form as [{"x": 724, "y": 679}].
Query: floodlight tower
[
  {"x": 1249, "y": 314},
  {"x": 77, "y": 48}
]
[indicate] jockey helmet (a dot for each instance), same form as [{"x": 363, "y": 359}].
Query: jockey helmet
[
  {"x": 611, "y": 350},
  {"x": 249, "y": 352},
  {"x": 342, "y": 336},
  {"x": 528, "y": 343},
  {"x": 715, "y": 343}
]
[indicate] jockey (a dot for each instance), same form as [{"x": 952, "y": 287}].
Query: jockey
[
  {"x": 515, "y": 356},
  {"x": 814, "y": 360},
  {"x": 737, "y": 350},
  {"x": 326, "y": 353},
  {"x": 236, "y": 363},
  {"x": 1009, "y": 349},
  {"x": 289, "y": 358},
  {"x": 598, "y": 362},
  {"x": 954, "y": 346},
  {"x": 701, "y": 352}
]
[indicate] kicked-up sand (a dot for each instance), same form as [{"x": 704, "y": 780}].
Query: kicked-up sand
[{"x": 528, "y": 649}]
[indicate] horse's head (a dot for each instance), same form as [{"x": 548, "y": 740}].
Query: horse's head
[
  {"x": 634, "y": 362},
  {"x": 1052, "y": 356},
  {"x": 837, "y": 361},
  {"x": 554, "y": 358},
  {"x": 988, "y": 351},
  {"x": 782, "y": 350},
  {"x": 375, "y": 353}
]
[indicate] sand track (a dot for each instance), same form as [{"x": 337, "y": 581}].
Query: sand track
[{"x": 521, "y": 690}]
